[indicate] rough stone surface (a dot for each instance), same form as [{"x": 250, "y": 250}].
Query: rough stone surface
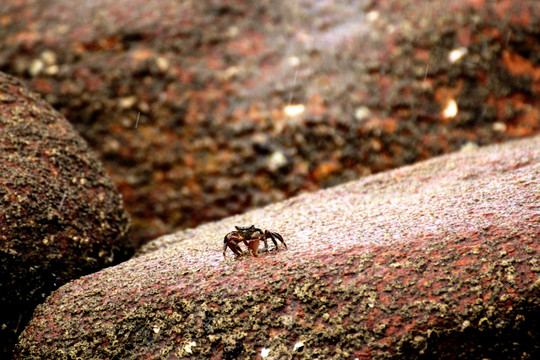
[
  {"x": 439, "y": 260},
  {"x": 60, "y": 215},
  {"x": 189, "y": 97}
]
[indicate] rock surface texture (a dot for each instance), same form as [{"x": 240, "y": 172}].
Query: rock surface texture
[
  {"x": 60, "y": 215},
  {"x": 228, "y": 105},
  {"x": 439, "y": 260}
]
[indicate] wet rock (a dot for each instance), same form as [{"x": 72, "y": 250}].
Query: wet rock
[
  {"x": 172, "y": 94},
  {"x": 438, "y": 260},
  {"x": 60, "y": 215}
]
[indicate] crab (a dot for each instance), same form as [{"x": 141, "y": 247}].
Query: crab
[{"x": 251, "y": 237}]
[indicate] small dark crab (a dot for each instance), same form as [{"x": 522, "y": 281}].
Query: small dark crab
[{"x": 251, "y": 237}]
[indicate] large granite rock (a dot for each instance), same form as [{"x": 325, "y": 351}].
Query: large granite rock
[
  {"x": 60, "y": 215},
  {"x": 439, "y": 260},
  {"x": 188, "y": 101}
]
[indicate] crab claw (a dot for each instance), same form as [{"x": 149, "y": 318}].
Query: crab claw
[{"x": 253, "y": 246}]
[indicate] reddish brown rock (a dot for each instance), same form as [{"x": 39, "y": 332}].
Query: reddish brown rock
[
  {"x": 60, "y": 215},
  {"x": 439, "y": 260},
  {"x": 185, "y": 100}
]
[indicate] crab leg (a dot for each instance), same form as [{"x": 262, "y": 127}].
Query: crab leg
[
  {"x": 232, "y": 243},
  {"x": 273, "y": 236}
]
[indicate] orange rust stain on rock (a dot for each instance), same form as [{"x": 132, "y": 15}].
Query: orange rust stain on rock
[
  {"x": 316, "y": 105},
  {"x": 479, "y": 4},
  {"x": 254, "y": 43},
  {"x": 325, "y": 169},
  {"x": 506, "y": 9},
  {"x": 43, "y": 86},
  {"x": 518, "y": 65},
  {"x": 140, "y": 55}
]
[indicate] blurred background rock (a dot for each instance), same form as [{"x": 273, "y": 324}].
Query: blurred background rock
[{"x": 203, "y": 109}]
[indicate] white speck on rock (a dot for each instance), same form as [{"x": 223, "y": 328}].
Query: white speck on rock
[
  {"x": 372, "y": 16},
  {"x": 294, "y": 61},
  {"x": 294, "y": 110},
  {"x": 362, "y": 113},
  {"x": 499, "y": 126},
  {"x": 127, "y": 102},
  {"x": 276, "y": 160},
  {"x": 162, "y": 63},
  {"x": 265, "y": 352},
  {"x": 188, "y": 347},
  {"x": 450, "y": 110},
  {"x": 457, "y": 54},
  {"x": 49, "y": 57},
  {"x": 469, "y": 146},
  {"x": 36, "y": 67}
]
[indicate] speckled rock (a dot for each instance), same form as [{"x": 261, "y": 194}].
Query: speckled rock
[
  {"x": 439, "y": 260},
  {"x": 204, "y": 109},
  {"x": 60, "y": 215}
]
